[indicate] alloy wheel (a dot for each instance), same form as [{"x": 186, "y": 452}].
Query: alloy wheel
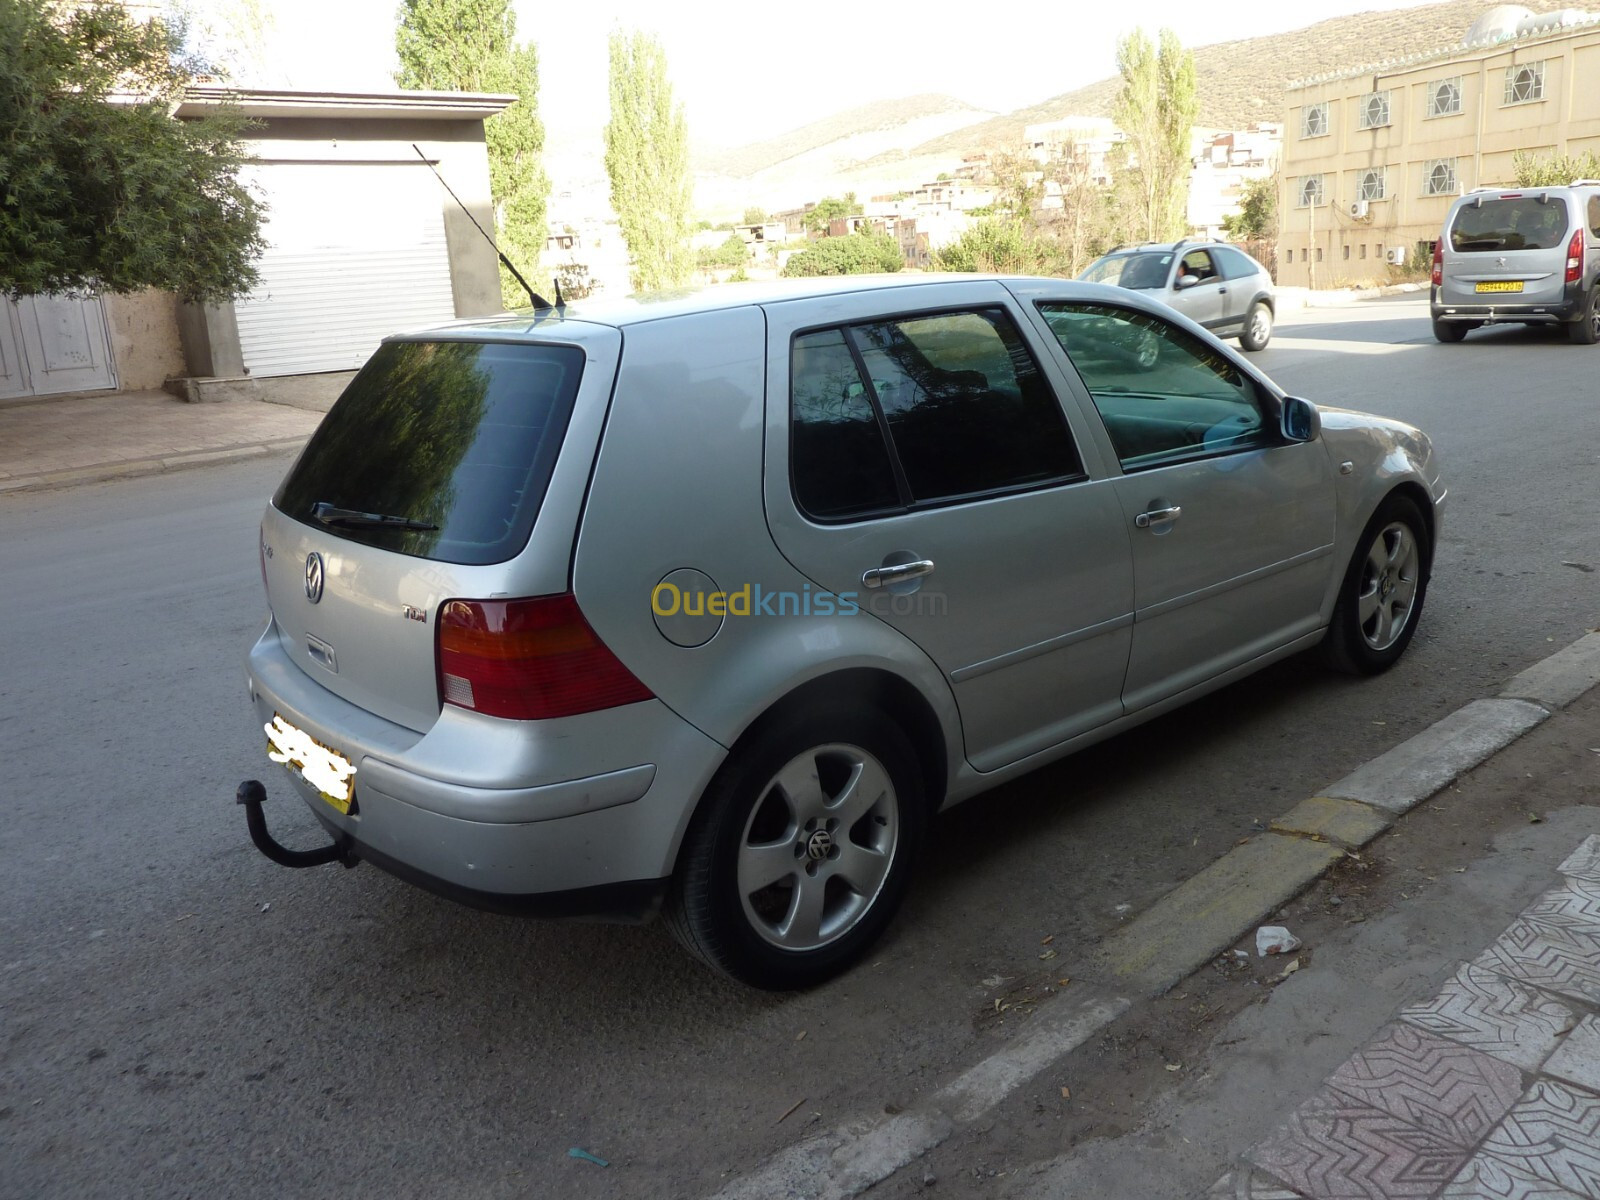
[{"x": 1387, "y": 592}]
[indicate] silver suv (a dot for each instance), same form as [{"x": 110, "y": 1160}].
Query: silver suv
[
  {"x": 1529, "y": 255},
  {"x": 1220, "y": 287},
  {"x": 711, "y": 602}
]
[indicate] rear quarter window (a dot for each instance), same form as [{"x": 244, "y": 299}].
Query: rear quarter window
[{"x": 453, "y": 443}]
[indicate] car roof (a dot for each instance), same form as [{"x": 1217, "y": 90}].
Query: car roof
[{"x": 636, "y": 309}]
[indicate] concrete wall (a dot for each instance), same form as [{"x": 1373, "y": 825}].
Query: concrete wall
[
  {"x": 144, "y": 338},
  {"x": 1326, "y": 246}
]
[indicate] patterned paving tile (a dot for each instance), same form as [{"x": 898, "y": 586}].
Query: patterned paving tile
[
  {"x": 1335, "y": 1149},
  {"x": 1578, "y": 1059},
  {"x": 1247, "y": 1183},
  {"x": 1553, "y": 1134},
  {"x": 1547, "y": 957},
  {"x": 1572, "y": 907},
  {"x": 1499, "y": 1016},
  {"x": 1584, "y": 862},
  {"x": 1449, "y": 1089},
  {"x": 1487, "y": 1178}
]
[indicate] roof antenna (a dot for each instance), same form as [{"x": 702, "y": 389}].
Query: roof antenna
[
  {"x": 537, "y": 300},
  {"x": 560, "y": 303}
]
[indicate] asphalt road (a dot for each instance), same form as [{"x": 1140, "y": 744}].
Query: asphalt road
[{"x": 181, "y": 1017}]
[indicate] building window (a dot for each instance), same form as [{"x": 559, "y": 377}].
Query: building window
[
  {"x": 1288, "y": 256},
  {"x": 1444, "y": 97},
  {"x": 1319, "y": 253},
  {"x": 1374, "y": 111},
  {"x": 1439, "y": 177},
  {"x": 1363, "y": 249},
  {"x": 1314, "y": 120},
  {"x": 1525, "y": 84},
  {"x": 1372, "y": 185},
  {"x": 1311, "y": 191},
  {"x": 1347, "y": 253}
]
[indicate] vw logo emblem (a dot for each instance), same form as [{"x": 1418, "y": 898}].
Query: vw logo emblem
[
  {"x": 314, "y": 575},
  {"x": 819, "y": 845}
]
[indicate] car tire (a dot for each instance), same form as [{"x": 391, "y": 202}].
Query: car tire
[
  {"x": 1257, "y": 330},
  {"x": 1381, "y": 595},
  {"x": 1585, "y": 331},
  {"x": 801, "y": 849},
  {"x": 1449, "y": 331}
]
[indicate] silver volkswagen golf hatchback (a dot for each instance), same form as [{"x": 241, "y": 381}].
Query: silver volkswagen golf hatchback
[{"x": 707, "y": 604}]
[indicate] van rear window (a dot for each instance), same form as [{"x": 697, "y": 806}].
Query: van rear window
[
  {"x": 441, "y": 450},
  {"x": 1521, "y": 224}
]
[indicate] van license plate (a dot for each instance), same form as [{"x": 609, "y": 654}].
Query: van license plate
[
  {"x": 330, "y": 772},
  {"x": 1501, "y": 285}
]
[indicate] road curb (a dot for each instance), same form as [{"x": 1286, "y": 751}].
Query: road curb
[
  {"x": 1557, "y": 681},
  {"x": 138, "y": 467}
]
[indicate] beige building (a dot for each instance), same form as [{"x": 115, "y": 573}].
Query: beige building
[{"x": 1373, "y": 157}]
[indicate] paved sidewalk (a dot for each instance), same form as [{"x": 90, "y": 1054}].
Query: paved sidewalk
[
  {"x": 57, "y": 441},
  {"x": 1489, "y": 1088}
]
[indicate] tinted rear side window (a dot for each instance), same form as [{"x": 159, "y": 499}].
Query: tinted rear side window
[
  {"x": 461, "y": 436},
  {"x": 841, "y": 462},
  {"x": 1498, "y": 225}
]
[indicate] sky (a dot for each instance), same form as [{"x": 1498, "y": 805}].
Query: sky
[{"x": 748, "y": 71}]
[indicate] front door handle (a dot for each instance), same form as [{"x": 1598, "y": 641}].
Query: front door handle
[
  {"x": 880, "y": 577},
  {"x": 1158, "y": 516}
]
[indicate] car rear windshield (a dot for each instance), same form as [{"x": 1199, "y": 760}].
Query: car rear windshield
[
  {"x": 1523, "y": 223},
  {"x": 1131, "y": 270},
  {"x": 440, "y": 450}
]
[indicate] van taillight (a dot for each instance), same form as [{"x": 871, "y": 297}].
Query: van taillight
[
  {"x": 1438, "y": 263},
  {"x": 528, "y": 660},
  {"x": 1575, "y": 258}
]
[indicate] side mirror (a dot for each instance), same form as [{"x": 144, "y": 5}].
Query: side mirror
[
  {"x": 1187, "y": 281},
  {"x": 1301, "y": 422}
]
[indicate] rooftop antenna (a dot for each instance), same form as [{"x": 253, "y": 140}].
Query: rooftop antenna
[
  {"x": 560, "y": 303},
  {"x": 537, "y": 300}
]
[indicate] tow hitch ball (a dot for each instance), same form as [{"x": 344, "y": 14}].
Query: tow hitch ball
[{"x": 251, "y": 794}]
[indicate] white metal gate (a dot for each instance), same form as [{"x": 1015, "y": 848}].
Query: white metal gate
[
  {"x": 356, "y": 252},
  {"x": 52, "y": 344}
]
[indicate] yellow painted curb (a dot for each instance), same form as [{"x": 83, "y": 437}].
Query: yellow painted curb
[
  {"x": 1347, "y": 822},
  {"x": 1205, "y": 915}
]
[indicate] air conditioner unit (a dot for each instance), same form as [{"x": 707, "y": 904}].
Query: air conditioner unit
[
  {"x": 1359, "y": 209},
  {"x": 1396, "y": 255}
]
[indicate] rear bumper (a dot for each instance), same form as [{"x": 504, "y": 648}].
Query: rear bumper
[
  {"x": 577, "y": 817},
  {"x": 1548, "y": 312}
]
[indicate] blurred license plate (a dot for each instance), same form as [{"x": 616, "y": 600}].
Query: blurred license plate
[
  {"x": 1501, "y": 285},
  {"x": 325, "y": 769}
]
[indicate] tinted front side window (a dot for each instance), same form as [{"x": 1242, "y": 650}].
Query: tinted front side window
[
  {"x": 1164, "y": 395},
  {"x": 965, "y": 403},
  {"x": 455, "y": 441},
  {"x": 1234, "y": 265},
  {"x": 1520, "y": 224}
]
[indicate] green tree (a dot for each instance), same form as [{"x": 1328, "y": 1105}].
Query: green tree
[
  {"x": 647, "y": 160},
  {"x": 1551, "y": 170},
  {"x": 1155, "y": 110},
  {"x": 470, "y": 46},
  {"x": 1258, "y": 210},
  {"x": 857, "y": 254},
  {"x": 754, "y": 216},
  {"x": 1003, "y": 246},
  {"x": 732, "y": 253},
  {"x": 829, "y": 209},
  {"x": 113, "y": 196}
]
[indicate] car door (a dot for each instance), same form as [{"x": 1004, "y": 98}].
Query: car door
[
  {"x": 1232, "y": 524},
  {"x": 1238, "y": 279},
  {"x": 915, "y": 442},
  {"x": 1205, "y": 300}
]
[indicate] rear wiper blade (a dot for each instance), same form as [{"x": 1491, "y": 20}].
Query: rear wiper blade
[{"x": 328, "y": 514}]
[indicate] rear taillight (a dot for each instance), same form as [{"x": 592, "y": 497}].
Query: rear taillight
[
  {"x": 1575, "y": 258},
  {"x": 1438, "y": 263},
  {"x": 528, "y": 660}
]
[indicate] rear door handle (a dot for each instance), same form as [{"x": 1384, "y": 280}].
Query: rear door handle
[
  {"x": 879, "y": 577},
  {"x": 1158, "y": 516}
]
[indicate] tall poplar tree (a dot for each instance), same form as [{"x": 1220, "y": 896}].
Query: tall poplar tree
[
  {"x": 470, "y": 46},
  {"x": 1156, "y": 109},
  {"x": 647, "y": 159}
]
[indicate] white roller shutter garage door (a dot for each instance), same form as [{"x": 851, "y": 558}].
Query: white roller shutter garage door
[{"x": 356, "y": 251}]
